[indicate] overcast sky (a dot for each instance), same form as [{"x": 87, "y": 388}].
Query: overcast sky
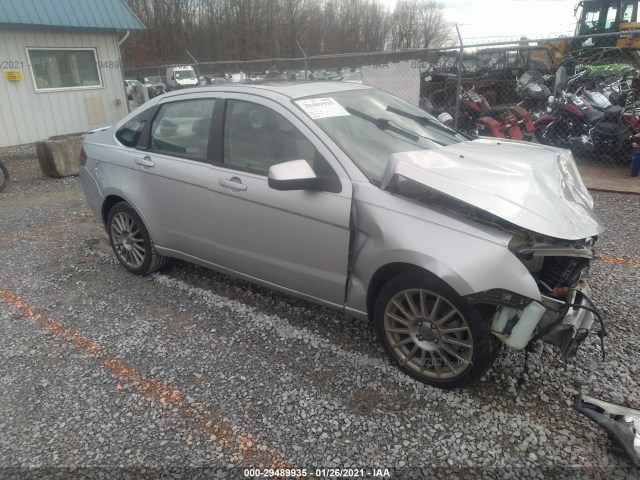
[
  {"x": 512, "y": 18},
  {"x": 507, "y": 19}
]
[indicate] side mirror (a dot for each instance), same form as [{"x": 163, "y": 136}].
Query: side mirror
[
  {"x": 293, "y": 175},
  {"x": 298, "y": 175}
]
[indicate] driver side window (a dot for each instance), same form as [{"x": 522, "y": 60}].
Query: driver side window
[{"x": 256, "y": 137}]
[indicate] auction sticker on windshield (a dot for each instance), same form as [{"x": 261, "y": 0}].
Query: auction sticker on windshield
[{"x": 322, "y": 108}]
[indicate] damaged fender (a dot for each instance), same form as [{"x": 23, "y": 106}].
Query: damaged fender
[{"x": 474, "y": 261}]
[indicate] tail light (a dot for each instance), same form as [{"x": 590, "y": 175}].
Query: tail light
[{"x": 83, "y": 156}]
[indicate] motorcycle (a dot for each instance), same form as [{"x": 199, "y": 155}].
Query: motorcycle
[
  {"x": 599, "y": 101},
  {"x": 534, "y": 93},
  {"x": 575, "y": 124},
  {"x": 614, "y": 91},
  {"x": 441, "y": 114},
  {"x": 478, "y": 118},
  {"x": 620, "y": 89}
]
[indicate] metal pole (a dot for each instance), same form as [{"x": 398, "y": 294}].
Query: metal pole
[
  {"x": 305, "y": 59},
  {"x": 197, "y": 69},
  {"x": 459, "y": 86}
]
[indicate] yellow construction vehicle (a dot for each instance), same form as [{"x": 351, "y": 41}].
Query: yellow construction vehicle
[
  {"x": 596, "y": 17},
  {"x": 606, "y": 16}
]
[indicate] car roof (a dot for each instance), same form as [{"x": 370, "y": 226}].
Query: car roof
[{"x": 291, "y": 89}]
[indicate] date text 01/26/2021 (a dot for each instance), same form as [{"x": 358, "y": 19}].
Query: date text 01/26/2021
[{"x": 317, "y": 473}]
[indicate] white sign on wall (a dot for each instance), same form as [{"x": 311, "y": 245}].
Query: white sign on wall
[{"x": 402, "y": 79}]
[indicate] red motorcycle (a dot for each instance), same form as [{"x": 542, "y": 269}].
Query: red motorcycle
[
  {"x": 575, "y": 124},
  {"x": 479, "y": 118}
]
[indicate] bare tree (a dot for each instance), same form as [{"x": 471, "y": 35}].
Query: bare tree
[
  {"x": 419, "y": 24},
  {"x": 253, "y": 29},
  {"x": 436, "y": 32}
]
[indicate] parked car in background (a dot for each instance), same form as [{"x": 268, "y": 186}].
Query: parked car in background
[
  {"x": 352, "y": 198},
  {"x": 353, "y": 77},
  {"x": 317, "y": 75},
  {"x": 275, "y": 75},
  {"x": 216, "y": 80},
  {"x": 129, "y": 83},
  {"x": 155, "y": 86},
  {"x": 333, "y": 74},
  {"x": 257, "y": 76}
]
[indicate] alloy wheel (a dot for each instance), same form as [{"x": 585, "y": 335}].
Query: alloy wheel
[
  {"x": 428, "y": 334},
  {"x": 127, "y": 239}
]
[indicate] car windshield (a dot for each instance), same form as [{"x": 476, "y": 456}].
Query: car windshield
[
  {"x": 182, "y": 74},
  {"x": 154, "y": 80},
  {"x": 371, "y": 125}
]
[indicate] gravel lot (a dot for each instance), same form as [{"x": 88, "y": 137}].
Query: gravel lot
[{"x": 189, "y": 372}]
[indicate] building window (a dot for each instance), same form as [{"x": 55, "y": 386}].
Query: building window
[{"x": 64, "y": 68}]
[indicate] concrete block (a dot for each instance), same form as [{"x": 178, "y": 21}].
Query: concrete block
[{"x": 59, "y": 156}]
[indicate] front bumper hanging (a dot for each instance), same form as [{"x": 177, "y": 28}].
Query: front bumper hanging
[{"x": 621, "y": 423}]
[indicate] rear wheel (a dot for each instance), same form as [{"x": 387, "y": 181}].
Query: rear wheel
[
  {"x": 432, "y": 333},
  {"x": 131, "y": 241}
]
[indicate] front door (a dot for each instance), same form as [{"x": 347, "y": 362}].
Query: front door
[{"x": 297, "y": 240}]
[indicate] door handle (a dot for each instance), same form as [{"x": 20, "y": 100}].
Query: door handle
[
  {"x": 145, "y": 162},
  {"x": 234, "y": 183}
]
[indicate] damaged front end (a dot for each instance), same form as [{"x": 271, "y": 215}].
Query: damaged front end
[
  {"x": 565, "y": 314},
  {"x": 535, "y": 194}
]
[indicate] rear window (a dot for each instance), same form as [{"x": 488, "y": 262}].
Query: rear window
[
  {"x": 182, "y": 128},
  {"x": 129, "y": 133}
]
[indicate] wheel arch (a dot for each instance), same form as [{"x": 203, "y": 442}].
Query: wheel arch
[
  {"x": 108, "y": 204},
  {"x": 386, "y": 273}
]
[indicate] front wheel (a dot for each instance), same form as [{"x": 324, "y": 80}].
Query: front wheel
[
  {"x": 432, "y": 333},
  {"x": 553, "y": 133},
  {"x": 131, "y": 241}
]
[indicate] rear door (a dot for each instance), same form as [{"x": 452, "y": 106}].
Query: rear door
[
  {"x": 171, "y": 173},
  {"x": 297, "y": 240}
]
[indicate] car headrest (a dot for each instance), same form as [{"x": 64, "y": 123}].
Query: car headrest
[{"x": 201, "y": 126}]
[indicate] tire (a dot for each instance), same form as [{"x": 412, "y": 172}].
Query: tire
[
  {"x": 131, "y": 242},
  {"x": 542, "y": 133},
  {"x": 553, "y": 134},
  {"x": 406, "y": 315},
  {"x": 4, "y": 177}
]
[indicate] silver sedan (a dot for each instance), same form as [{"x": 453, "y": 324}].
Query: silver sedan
[{"x": 352, "y": 198}]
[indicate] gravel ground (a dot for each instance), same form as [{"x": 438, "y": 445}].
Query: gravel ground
[{"x": 189, "y": 372}]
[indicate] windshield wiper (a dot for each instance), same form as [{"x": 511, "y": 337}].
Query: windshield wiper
[{"x": 384, "y": 124}]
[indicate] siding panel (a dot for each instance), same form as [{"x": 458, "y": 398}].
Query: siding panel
[
  {"x": 28, "y": 116},
  {"x": 28, "y": 104}
]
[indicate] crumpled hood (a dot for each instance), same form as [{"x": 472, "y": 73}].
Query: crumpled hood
[{"x": 533, "y": 186}]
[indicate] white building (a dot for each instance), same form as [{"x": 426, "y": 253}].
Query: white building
[{"x": 60, "y": 63}]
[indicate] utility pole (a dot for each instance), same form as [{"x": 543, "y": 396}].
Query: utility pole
[{"x": 459, "y": 86}]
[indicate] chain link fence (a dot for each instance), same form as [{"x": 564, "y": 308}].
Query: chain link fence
[{"x": 580, "y": 93}]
